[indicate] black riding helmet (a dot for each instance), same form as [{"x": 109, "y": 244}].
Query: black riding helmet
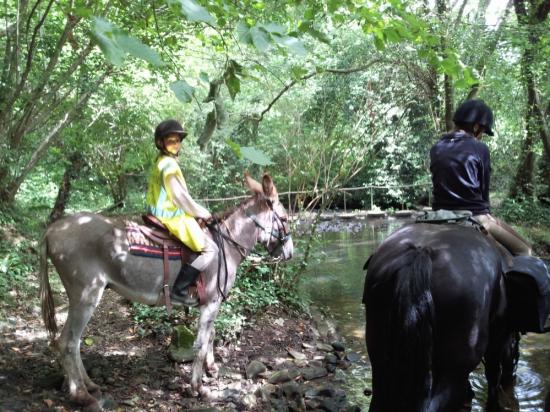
[
  {"x": 166, "y": 128},
  {"x": 475, "y": 111}
]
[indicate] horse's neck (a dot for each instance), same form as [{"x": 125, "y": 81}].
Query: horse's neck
[{"x": 242, "y": 229}]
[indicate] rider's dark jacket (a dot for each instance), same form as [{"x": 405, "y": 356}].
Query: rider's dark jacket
[{"x": 461, "y": 170}]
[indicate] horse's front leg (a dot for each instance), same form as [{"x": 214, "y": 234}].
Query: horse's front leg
[
  {"x": 201, "y": 345},
  {"x": 210, "y": 363}
]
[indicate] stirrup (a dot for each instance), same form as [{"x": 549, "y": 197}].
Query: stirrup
[{"x": 189, "y": 297}]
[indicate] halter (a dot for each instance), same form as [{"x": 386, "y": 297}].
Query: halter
[
  {"x": 278, "y": 230},
  {"x": 281, "y": 235}
]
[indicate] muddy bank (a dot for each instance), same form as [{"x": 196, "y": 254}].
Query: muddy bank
[{"x": 283, "y": 360}]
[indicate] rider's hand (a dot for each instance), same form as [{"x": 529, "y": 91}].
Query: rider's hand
[{"x": 205, "y": 215}]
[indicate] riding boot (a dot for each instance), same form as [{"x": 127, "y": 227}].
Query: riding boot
[{"x": 180, "y": 292}]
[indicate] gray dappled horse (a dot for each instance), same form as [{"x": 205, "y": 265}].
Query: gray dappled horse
[
  {"x": 439, "y": 299},
  {"x": 90, "y": 253}
]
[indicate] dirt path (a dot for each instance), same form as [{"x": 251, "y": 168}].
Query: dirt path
[{"x": 136, "y": 374}]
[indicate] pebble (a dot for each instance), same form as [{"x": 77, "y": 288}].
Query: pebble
[
  {"x": 254, "y": 369},
  {"x": 313, "y": 372},
  {"x": 353, "y": 356},
  {"x": 296, "y": 355},
  {"x": 324, "y": 347},
  {"x": 279, "y": 377}
]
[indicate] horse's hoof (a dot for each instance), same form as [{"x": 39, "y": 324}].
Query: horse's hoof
[
  {"x": 95, "y": 392},
  {"x": 206, "y": 394},
  {"x": 93, "y": 407},
  {"x": 213, "y": 371}
]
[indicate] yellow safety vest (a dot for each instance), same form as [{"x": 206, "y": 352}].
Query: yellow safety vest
[{"x": 160, "y": 204}]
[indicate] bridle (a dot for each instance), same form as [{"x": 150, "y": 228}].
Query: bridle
[{"x": 278, "y": 231}]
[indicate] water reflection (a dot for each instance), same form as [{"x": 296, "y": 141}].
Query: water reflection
[{"x": 335, "y": 280}]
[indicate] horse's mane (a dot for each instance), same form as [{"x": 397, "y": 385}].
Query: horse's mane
[{"x": 221, "y": 216}]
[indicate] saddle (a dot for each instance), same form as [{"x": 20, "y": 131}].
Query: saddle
[
  {"x": 528, "y": 291},
  {"x": 155, "y": 241},
  {"x": 441, "y": 216}
]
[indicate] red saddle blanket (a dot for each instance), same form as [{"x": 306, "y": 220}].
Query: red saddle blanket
[{"x": 148, "y": 242}]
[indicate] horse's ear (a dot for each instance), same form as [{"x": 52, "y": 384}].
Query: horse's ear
[
  {"x": 253, "y": 185},
  {"x": 268, "y": 187}
]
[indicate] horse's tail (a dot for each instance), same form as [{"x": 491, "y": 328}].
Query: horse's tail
[
  {"x": 48, "y": 307},
  {"x": 407, "y": 367}
]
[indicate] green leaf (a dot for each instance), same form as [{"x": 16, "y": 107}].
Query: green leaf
[
  {"x": 235, "y": 147},
  {"x": 83, "y": 12},
  {"x": 291, "y": 43},
  {"x": 243, "y": 33},
  {"x": 204, "y": 77},
  {"x": 137, "y": 49},
  {"x": 260, "y": 38},
  {"x": 115, "y": 44},
  {"x": 88, "y": 341},
  {"x": 318, "y": 35},
  {"x": 183, "y": 90},
  {"x": 298, "y": 72},
  {"x": 379, "y": 43},
  {"x": 391, "y": 35},
  {"x": 274, "y": 28},
  {"x": 103, "y": 34},
  {"x": 470, "y": 77},
  {"x": 255, "y": 156},
  {"x": 193, "y": 11},
  {"x": 333, "y": 5},
  {"x": 233, "y": 85}
]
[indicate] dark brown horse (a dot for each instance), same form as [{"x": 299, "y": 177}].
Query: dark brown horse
[
  {"x": 436, "y": 306},
  {"x": 90, "y": 253}
]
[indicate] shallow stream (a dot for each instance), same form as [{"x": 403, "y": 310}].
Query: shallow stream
[{"x": 335, "y": 281}]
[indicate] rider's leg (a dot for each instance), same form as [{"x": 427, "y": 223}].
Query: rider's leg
[
  {"x": 190, "y": 273},
  {"x": 505, "y": 235}
]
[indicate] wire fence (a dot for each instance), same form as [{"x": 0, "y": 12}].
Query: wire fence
[{"x": 323, "y": 193}]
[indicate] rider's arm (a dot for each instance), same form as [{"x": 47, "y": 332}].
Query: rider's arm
[
  {"x": 182, "y": 199},
  {"x": 486, "y": 175}
]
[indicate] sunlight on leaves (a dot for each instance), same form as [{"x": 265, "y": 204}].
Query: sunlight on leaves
[
  {"x": 255, "y": 156},
  {"x": 193, "y": 11},
  {"x": 183, "y": 90}
]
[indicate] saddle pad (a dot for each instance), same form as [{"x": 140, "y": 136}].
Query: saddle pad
[
  {"x": 140, "y": 245},
  {"x": 444, "y": 216}
]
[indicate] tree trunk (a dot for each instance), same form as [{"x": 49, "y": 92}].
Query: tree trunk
[
  {"x": 529, "y": 17},
  {"x": 64, "y": 192},
  {"x": 448, "y": 88}
]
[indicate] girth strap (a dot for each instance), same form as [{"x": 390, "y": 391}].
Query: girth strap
[{"x": 166, "y": 279}]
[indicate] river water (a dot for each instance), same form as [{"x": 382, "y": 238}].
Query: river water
[{"x": 335, "y": 281}]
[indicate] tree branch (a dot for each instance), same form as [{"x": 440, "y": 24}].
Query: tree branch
[
  {"x": 309, "y": 76},
  {"x": 543, "y": 10},
  {"x": 30, "y": 55},
  {"x": 53, "y": 133}
]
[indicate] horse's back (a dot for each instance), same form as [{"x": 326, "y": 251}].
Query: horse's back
[{"x": 79, "y": 228}]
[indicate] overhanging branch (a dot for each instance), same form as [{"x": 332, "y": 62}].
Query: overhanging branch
[{"x": 310, "y": 75}]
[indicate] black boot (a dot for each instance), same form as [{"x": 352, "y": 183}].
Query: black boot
[{"x": 180, "y": 292}]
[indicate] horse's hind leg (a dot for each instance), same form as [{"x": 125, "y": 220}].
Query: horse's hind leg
[
  {"x": 81, "y": 308},
  {"x": 500, "y": 370}
]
